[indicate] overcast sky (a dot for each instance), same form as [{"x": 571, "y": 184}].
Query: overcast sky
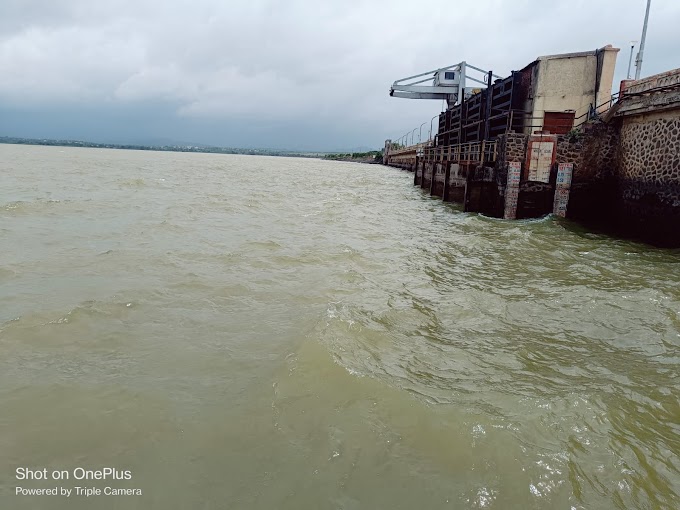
[{"x": 296, "y": 74}]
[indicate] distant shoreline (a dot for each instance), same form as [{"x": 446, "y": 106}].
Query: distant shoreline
[
  {"x": 170, "y": 148},
  {"x": 369, "y": 160}
]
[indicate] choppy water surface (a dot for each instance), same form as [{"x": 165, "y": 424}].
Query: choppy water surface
[{"x": 253, "y": 332}]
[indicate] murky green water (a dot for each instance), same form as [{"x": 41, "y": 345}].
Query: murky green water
[{"x": 258, "y": 333}]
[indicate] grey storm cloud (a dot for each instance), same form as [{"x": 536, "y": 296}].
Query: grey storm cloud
[{"x": 301, "y": 74}]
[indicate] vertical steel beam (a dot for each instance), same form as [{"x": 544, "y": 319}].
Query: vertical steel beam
[{"x": 487, "y": 109}]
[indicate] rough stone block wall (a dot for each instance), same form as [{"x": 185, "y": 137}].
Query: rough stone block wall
[
  {"x": 515, "y": 146},
  {"x": 594, "y": 152},
  {"x": 601, "y": 153},
  {"x": 650, "y": 151},
  {"x": 649, "y": 176},
  {"x": 512, "y": 148}
]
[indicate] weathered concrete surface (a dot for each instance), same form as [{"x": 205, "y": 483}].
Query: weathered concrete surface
[
  {"x": 571, "y": 81},
  {"x": 418, "y": 171},
  {"x": 456, "y": 183},
  {"x": 480, "y": 192},
  {"x": 437, "y": 189},
  {"x": 427, "y": 176}
]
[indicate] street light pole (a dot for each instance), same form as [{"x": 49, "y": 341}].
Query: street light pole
[
  {"x": 412, "y": 134},
  {"x": 436, "y": 116},
  {"x": 420, "y": 131},
  {"x": 638, "y": 61},
  {"x": 630, "y": 60}
]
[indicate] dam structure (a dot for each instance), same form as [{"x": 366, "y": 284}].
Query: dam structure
[{"x": 552, "y": 138}]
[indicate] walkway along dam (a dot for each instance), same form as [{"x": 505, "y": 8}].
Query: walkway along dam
[{"x": 552, "y": 139}]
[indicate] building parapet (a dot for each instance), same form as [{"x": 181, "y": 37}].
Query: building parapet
[
  {"x": 669, "y": 79},
  {"x": 657, "y": 93}
]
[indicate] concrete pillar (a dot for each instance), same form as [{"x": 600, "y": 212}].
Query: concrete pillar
[
  {"x": 512, "y": 190},
  {"x": 468, "y": 188},
  {"x": 447, "y": 175},
  {"x": 562, "y": 188},
  {"x": 434, "y": 170}
]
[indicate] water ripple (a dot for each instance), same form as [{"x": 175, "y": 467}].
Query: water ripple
[{"x": 418, "y": 355}]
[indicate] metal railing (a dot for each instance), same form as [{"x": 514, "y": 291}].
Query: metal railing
[
  {"x": 400, "y": 150},
  {"x": 486, "y": 151}
]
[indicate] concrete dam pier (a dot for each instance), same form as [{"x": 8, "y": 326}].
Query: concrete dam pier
[{"x": 508, "y": 152}]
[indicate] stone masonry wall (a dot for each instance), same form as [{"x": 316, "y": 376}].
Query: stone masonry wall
[
  {"x": 594, "y": 152},
  {"x": 649, "y": 176},
  {"x": 650, "y": 158},
  {"x": 511, "y": 149}
]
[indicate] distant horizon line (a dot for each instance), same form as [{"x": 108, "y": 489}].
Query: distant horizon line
[{"x": 171, "y": 147}]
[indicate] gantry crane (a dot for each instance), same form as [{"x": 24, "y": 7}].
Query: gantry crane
[{"x": 447, "y": 83}]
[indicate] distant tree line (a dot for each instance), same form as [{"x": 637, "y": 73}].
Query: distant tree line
[{"x": 370, "y": 156}]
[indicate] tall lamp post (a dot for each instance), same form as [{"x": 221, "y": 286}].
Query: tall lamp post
[
  {"x": 413, "y": 134},
  {"x": 630, "y": 60},
  {"x": 436, "y": 116},
  {"x": 638, "y": 60},
  {"x": 420, "y": 131}
]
